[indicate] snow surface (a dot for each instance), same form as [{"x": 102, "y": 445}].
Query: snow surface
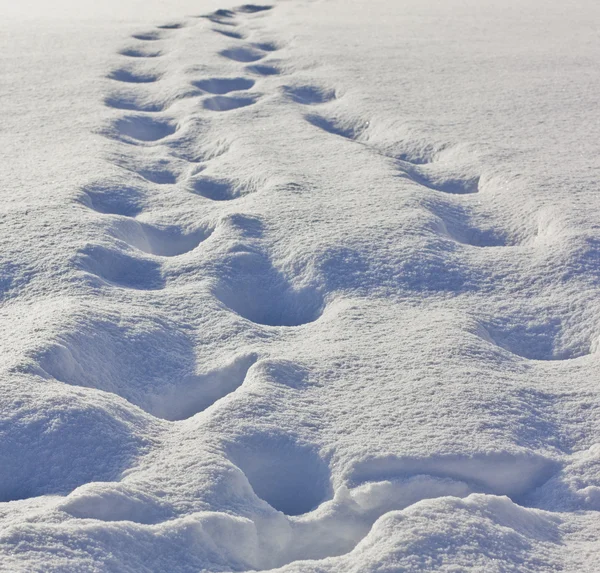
[{"x": 311, "y": 286}]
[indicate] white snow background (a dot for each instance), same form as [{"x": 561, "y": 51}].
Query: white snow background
[{"x": 311, "y": 286}]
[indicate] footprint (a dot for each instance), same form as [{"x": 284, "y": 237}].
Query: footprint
[
  {"x": 160, "y": 171},
  {"x": 348, "y": 129},
  {"x": 224, "y": 85},
  {"x": 147, "y": 360},
  {"x": 309, "y": 95},
  {"x": 286, "y": 473},
  {"x": 262, "y": 70},
  {"x": 254, "y": 289},
  {"x": 131, "y": 77},
  {"x": 173, "y": 26},
  {"x": 190, "y": 149},
  {"x": 467, "y": 227},
  {"x": 160, "y": 177},
  {"x": 198, "y": 392},
  {"x": 219, "y": 189},
  {"x": 253, "y": 8},
  {"x": 222, "y": 17},
  {"x": 244, "y": 55},
  {"x": 230, "y": 34},
  {"x": 140, "y": 52},
  {"x": 172, "y": 241},
  {"x": 113, "y": 199},
  {"x": 161, "y": 241},
  {"x": 148, "y": 367},
  {"x": 226, "y": 103},
  {"x": 133, "y": 102},
  {"x": 432, "y": 177},
  {"x": 482, "y": 238},
  {"x": 540, "y": 337},
  {"x": 394, "y": 484},
  {"x": 121, "y": 269},
  {"x": 416, "y": 160},
  {"x": 149, "y": 36},
  {"x": 140, "y": 128},
  {"x": 266, "y": 46}
]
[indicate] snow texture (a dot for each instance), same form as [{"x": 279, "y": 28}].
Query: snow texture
[{"x": 306, "y": 286}]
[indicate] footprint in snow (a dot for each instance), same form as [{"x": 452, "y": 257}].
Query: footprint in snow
[
  {"x": 244, "y": 55},
  {"x": 219, "y": 189},
  {"x": 254, "y": 289},
  {"x": 230, "y": 34},
  {"x": 196, "y": 393},
  {"x": 309, "y": 95},
  {"x": 226, "y": 103},
  {"x": 171, "y": 26},
  {"x": 142, "y": 129},
  {"x": 134, "y": 102},
  {"x": 160, "y": 241},
  {"x": 120, "y": 269},
  {"x": 220, "y": 86},
  {"x": 151, "y": 36},
  {"x": 347, "y": 129},
  {"x": 158, "y": 176},
  {"x": 266, "y": 46},
  {"x": 133, "y": 77},
  {"x": 254, "y": 8},
  {"x": 222, "y": 17},
  {"x": 113, "y": 199},
  {"x": 431, "y": 177},
  {"x": 140, "y": 52},
  {"x": 290, "y": 476},
  {"x": 263, "y": 70}
]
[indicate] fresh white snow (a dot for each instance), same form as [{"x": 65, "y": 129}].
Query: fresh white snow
[{"x": 306, "y": 286}]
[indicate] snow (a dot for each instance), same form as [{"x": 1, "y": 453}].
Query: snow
[{"x": 303, "y": 286}]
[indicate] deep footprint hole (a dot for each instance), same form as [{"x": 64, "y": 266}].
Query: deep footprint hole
[
  {"x": 173, "y": 241},
  {"x": 128, "y": 76},
  {"x": 243, "y": 55},
  {"x": 217, "y": 189},
  {"x": 263, "y": 70},
  {"x": 121, "y": 269},
  {"x": 348, "y": 129},
  {"x": 266, "y": 46},
  {"x": 230, "y": 34},
  {"x": 194, "y": 394},
  {"x": 113, "y": 199},
  {"x": 140, "y": 53},
  {"x": 171, "y": 26},
  {"x": 220, "y": 86},
  {"x": 254, "y": 8},
  {"x": 148, "y": 36},
  {"x": 145, "y": 129},
  {"x": 133, "y": 102},
  {"x": 454, "y": 185},
  {"x": 254, "y": 289},
  {"x": 309, "y": 95},
  {"x": 227, "y": 103},
  {"x": 291, "y": 477}
]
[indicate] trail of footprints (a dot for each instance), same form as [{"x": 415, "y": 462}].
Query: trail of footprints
[
  {"x": 156, "y": 144},
  {"x": 155, "y": 151},
  {"x": 151, "y": 128},
  {"x": 462, "y": 218}
]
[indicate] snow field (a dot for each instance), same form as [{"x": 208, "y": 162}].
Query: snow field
[{"x": 240, "y": 361}]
